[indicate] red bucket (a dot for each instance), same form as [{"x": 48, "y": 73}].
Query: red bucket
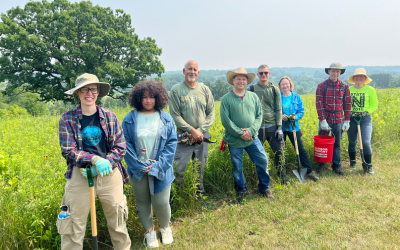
[{"x": 323, "y": 148}]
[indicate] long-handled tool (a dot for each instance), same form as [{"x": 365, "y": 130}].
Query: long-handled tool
[
  {"x": 299, "y": 172},
  {"x": 358, "y": 121},
  {"x": 92, "y": 208}
]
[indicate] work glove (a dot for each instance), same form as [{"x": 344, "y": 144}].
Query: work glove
[
  {"x": 102, "y": 166},
  {"x": 346, "y": 125},
  {"x": 324, "y": 125},
  {"x": 365, "y": 113},
  {"x": 279, "y": 133},
  {"x": 84, "y": 172}
]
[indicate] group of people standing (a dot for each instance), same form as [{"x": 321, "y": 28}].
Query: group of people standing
[{"x": 150, "y": 140}]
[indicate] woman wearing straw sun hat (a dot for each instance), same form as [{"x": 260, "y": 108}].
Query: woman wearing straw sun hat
[{"x": 363, "y": 102}]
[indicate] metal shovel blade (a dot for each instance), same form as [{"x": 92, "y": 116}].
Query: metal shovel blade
[{"x": 301, "y": 175}]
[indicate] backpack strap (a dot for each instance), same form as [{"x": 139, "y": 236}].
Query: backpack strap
[{"x": 252, "y": 88}]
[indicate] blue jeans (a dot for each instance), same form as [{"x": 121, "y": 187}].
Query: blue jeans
[
  {"x": 259, "y": 157},
  {"x": 336, "y": 129},
  {"x": 366, "y": 131}
]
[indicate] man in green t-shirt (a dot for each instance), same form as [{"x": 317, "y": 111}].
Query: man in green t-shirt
[
  {"x": 241, "y": 116},
  {"x": 192, "y": 108},
  {"x": 271, "y": 126}
]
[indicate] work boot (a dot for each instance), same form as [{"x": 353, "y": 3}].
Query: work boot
[
  {"x": 267, "y": 194},
  {"x": 370, "y": 170},
  {"x": 353, "y": 164},
  {"x": 338, "y": 171},
  {"x": 240, "y": 197},
  {"x": 365, "y": 167},
  {"x": 320, "y": 168},
  {"x": 313, "y": 176}
]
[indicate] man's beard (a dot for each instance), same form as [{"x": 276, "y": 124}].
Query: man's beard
[{"x": 191, "y": 79}]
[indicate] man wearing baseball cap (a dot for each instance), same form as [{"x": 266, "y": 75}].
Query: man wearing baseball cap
[
  {"x": 241, "y": 115},
  {"x": 333, "y": 103},
  {"x": 92, "y": 135}
]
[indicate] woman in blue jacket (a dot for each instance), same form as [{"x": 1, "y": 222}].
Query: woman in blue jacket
[
  {"x": 150, "y": 136},
  {"x": 292, "y": 103}
]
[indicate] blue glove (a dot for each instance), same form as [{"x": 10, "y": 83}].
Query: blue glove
[
  {"x": 102, "y": 166},
  {"x": 84, "y": 172}
]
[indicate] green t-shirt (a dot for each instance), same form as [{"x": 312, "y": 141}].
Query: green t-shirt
[
  {"x": 271, "y": 104},
  {"x": 363, "y": 99},
  {"x": 192, "y": 107},
  {"x": 147, "y": 125},
  {"x": 238, "y": 113}
]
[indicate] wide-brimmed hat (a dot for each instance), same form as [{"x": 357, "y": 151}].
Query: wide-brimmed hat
[
  {"x": 360, "y": 71},
  {"x": 86, "y": 79},
  {"x": 335, "y": 65},
  {"x": 240, "y": 71}
]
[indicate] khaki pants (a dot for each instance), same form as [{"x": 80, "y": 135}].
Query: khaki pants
[{"x": 109, "y": 190}]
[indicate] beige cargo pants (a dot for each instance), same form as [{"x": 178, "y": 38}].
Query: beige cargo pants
[{"x": 109, "y": 190}]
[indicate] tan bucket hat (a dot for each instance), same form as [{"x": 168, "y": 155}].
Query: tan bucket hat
[
  {"x": 86, "y": 79},
  {"x": 240, "y": 71},
  {"x": 360, "y": 71},
  {"x": 336, "y": 65}
]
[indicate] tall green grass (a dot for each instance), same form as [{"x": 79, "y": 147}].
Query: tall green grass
[{"x": 32, "y": 169}]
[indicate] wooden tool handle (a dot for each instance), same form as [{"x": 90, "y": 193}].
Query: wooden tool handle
[
  {"x": 359, "y": 136},
  {"x": 93, "y": 211}
]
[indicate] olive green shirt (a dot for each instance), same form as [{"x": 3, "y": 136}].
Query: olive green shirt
[
  {"x": 271, "y": 105},
  {"x": 192, "y": 107}
]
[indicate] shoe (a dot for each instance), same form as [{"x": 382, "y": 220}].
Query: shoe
[
  {"x": 365, "y": 167},
  {"x": 166, "y": 235},
  {"x": 240, "y": 197},
  {"x": 320, "y": 168},
  {"x": 370, "y": 170},
  {"x": 151, "y": 239},
  {"x": 267, "y": 194},
  {"x": 353, "y": 165},
  {"x": 338, "y": 171},
  {"x": 313, "y": 176}
]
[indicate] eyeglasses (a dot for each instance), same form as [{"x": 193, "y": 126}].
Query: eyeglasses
[
  {"x": 86, "y": 90},
  {"x": 262, "y": 73}
]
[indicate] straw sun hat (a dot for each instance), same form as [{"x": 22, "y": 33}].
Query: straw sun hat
[
  {"x": 336, "y": 65},
  {"x": 360, "y": 71},
  {"x": 87, "y": 79},
  {"x": 240, "y": 71}
]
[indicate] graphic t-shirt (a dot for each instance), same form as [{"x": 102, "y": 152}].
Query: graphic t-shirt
[
  {"x": 286, "y": 100},
  {"x": 363, "y": 99},
  {"x": 93, "y": 136},
  {"x": 147, "y": 125}
]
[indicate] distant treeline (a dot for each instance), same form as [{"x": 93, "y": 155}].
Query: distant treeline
[{"x": 305, "y": 79}]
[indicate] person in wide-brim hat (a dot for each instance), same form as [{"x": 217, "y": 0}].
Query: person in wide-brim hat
[
  {"x": 335, "y": 65},
  {"x": 359, "y": 71},
  {"x": 86, "y": 79},
  {"x": 240, "y": 71}
]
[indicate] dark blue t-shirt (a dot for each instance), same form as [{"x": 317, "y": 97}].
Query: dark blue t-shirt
[{"x": 93, "y": 136}]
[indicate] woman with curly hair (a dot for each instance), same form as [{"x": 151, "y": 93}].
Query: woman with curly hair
[{"x": 151, "y": 141}]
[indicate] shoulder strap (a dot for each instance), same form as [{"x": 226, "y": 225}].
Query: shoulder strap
[
  {"x": 252, "y": 88},
  {"x": 273, "y": 90},
  {"x": 325, "y": 88}
]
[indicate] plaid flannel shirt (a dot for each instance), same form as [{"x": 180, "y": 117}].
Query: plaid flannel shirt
[
  {"x": 335, "y": 102},
  {"x": 70, "y": 136}
]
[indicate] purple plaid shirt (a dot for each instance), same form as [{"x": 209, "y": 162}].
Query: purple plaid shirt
[{"x": 71, "y": 140}]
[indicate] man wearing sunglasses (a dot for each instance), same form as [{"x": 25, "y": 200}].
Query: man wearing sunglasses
[{"x": 271, "y": 126}]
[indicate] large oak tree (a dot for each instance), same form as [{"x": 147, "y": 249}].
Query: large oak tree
[{"x": 45, "y": 46}]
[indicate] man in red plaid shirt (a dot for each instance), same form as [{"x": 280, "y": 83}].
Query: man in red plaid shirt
[{"x": 332, "y": 100}]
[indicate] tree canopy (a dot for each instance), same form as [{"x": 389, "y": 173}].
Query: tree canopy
[{"x": 45, "y": 46}]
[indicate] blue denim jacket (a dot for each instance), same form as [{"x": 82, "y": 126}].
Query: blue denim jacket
[
  {"x": 161, "y": 173},
  {"x": 297, "y": 107}
]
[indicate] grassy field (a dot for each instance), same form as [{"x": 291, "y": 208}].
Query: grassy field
[{"x": 349, "y": 212}]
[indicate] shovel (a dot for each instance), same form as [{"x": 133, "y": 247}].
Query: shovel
[
  {"x": 299, "y": 172},
  {"x": 92, "y": 208},
  {"x": 358, "y": 120}
]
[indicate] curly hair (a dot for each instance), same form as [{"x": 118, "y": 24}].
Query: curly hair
[{"x": 155, "y": 88}]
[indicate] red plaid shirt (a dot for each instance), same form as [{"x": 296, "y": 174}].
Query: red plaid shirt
[
  {"x": 71, "y": 140},
  {"x": 336, "y": 101}
]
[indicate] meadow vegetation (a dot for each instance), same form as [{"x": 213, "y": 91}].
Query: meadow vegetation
[{"x": 349, "y": 212}]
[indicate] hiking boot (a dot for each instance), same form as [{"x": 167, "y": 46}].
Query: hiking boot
[
  {"x": 240, "y": 197},
  {"x": 370, "y": 170},
  {"x": 151, "y": 239},
  {"x": 313, "y": 176},
  {"x": 166, "y": 235},
  {"x": 320, "y": 168},
  {"x": 353, "y": 165},
  {"x": 267, "y": 194},
  {"x": 365, "y": 167},
  {"x": 338, "y": 171}
]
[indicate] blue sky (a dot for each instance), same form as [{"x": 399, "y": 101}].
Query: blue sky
[{"x": 230, "y": 34}]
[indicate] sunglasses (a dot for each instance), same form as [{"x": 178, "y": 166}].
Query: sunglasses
[{"x": 262, "y": 73}]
